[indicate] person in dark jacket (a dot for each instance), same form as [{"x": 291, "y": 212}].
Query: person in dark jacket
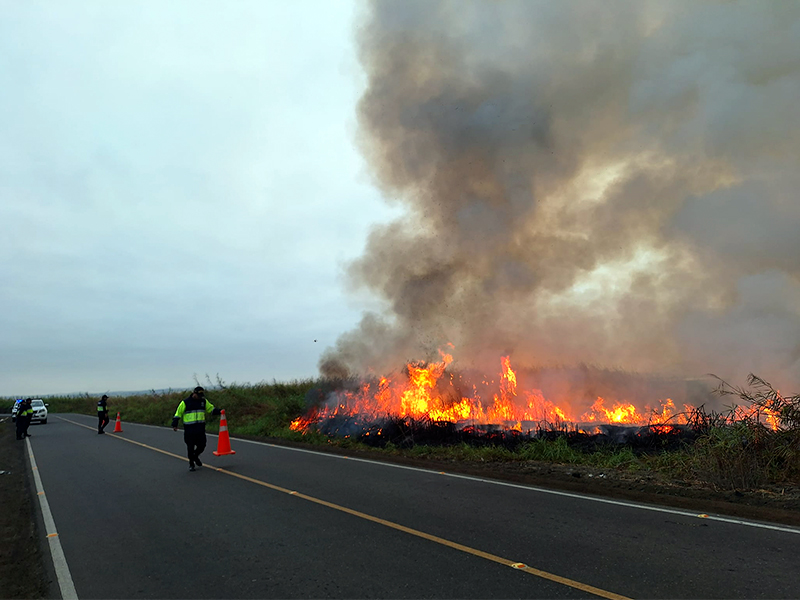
[
  {"x": 102, "y": 414},
  {"x": 29, "y": 417},
  {"x": 24, "y": 418},
  {"x": 193, "y": 411}
]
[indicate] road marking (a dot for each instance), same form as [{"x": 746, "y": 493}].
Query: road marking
[
  {"x": 392, "y": 525},
  {"x": 436, "y": 539},
  {"x": 530, "y": 488},
  {"x": 63, "y": 575},
  {"x": 672, "y": 511}
]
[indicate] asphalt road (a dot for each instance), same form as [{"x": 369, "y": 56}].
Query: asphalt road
[{"x": 274, "y": 522}]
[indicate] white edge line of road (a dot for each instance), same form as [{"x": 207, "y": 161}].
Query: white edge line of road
[
  {"x": 653, "y": 508},
  {"x": 63, "y": 575},
  {"x": 650, "y": 507}
]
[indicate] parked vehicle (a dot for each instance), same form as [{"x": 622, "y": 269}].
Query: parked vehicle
[
  {"x": 14, "y": 410},
  {"x": 39, "y": 410}
]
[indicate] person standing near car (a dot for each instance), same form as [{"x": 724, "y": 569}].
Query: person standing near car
[
  {"x": 24, "y": 417},
  {"x": 102, "y": 414},
  {"x": 21, "y": 420},
  {"x": 29, "y": 416},
  {"x": 193, "y": 411}
]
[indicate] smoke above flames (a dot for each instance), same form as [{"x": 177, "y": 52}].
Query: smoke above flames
[{"x": 605, "y": 183}]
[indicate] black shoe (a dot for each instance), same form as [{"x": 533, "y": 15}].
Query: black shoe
[
  {"x": 197, "y": 462},
  {"x": 28, "y": 435},
  {"x": 99, "y": 432},
  {"x": 191, "y": 466}
]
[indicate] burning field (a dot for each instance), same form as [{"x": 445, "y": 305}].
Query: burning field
[
  {"x": 432, "y": 403},
  {"x": 664, "y": 426},
  {"x": 609, "y": 184}
]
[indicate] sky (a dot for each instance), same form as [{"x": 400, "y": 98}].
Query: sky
[
  {"x": 179, "y": 191},
  {"x": 276, "y": 190}
]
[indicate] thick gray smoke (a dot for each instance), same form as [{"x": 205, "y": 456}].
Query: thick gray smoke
[{"x": 612, "y": 183}]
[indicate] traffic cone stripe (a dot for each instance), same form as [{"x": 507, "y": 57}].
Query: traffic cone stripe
[
  {"x": 118, "y": 425},
  {"x": 223, "y": 440}
]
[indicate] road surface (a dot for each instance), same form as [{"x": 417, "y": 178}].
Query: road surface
[{"x": 275, "y": 522}]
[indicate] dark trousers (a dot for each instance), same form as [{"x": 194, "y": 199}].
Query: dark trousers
[
  {"x": 102, "y": 421},
  {"x": 21, "y": 427},
  {"x": 195, "y": 444}
]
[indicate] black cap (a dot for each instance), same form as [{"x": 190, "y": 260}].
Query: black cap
[
  {"x": 104, "y": 397},
  {"x": 199, "y": 390}
]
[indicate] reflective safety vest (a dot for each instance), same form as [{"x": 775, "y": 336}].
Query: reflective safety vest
[
  {"x": 194, "y": 415},
  {"x": 101, "y": 406}
]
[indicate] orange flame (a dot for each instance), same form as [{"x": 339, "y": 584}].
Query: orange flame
[{"x": 425, "y": 393}]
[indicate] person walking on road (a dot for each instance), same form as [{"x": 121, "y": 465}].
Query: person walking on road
[
  {"x": 102, "y": 414},
  {"x": 193, "y": 411}
]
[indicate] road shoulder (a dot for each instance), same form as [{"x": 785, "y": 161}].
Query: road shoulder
[{"x": 22, "y": 560}]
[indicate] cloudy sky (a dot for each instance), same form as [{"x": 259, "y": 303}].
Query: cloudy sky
[
  {"x": 263, "y": 190},
  {"x": 179, "y": 190}
]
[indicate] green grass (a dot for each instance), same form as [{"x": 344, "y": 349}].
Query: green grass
[{"x": 261, "y": 409}]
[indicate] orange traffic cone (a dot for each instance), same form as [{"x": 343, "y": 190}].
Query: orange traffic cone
[
  {"x": 118, "y": 425},
  {"x": 224, "y": 440}
]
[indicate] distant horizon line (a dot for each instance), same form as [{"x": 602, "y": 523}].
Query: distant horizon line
[{"x": 110, "y": 394}]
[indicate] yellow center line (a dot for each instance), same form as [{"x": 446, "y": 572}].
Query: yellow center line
[{"x": 415, "y": 532}]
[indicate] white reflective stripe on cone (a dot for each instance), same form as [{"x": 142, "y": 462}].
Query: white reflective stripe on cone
[{"x": 223, "y": 428}]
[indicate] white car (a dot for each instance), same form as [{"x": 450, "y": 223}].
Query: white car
[{"x": 39, "y": 411}]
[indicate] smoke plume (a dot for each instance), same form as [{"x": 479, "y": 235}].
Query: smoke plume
[{"x": 608, "y": 183}]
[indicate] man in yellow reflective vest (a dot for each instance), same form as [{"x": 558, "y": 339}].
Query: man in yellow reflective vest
[
  {"x": 193, "y": 411},
  {"x": 24, "y": 417},
  {"x": 102, "y": 414}
]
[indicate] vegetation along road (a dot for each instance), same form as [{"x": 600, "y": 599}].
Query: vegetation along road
[{"x": 278, "y": 522}]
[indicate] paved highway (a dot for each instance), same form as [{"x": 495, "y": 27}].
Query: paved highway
[{"x": 274, "y": 522}]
